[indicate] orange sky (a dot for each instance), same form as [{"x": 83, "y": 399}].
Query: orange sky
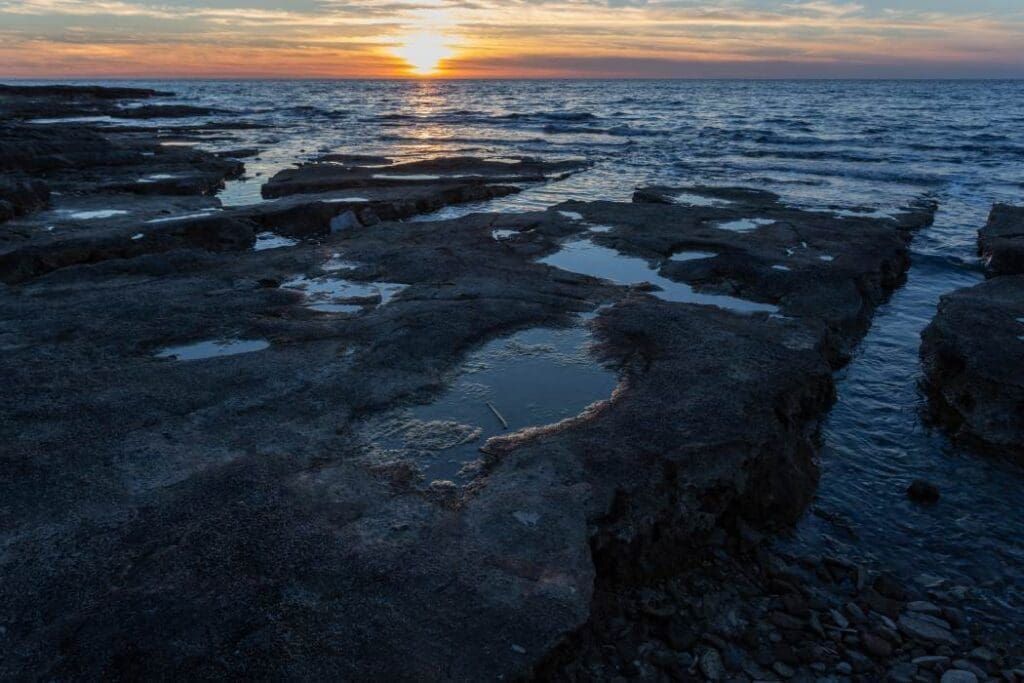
[{"x": 517, "y": 38}]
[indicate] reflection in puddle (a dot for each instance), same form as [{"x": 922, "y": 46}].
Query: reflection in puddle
[
  {"x": 572, "y": 215},
  {"x": 501, "y": 235},
  {"x": 744, "y": 224},
  {"x": 827, "y": 258},
  {"x": 92, "y": 215},
  {"x": 268, "y": 240},
  {"x": 583, "y": 256},
  {"x": 784, "y": 269},
  {"x": 330, "y": 295},
  {"x": 692, "y": 255},
  {"x": 347, "y": 200},
  {"x": 213, "y": 349},
  {"x": 694, "y": 199},
  {"x": 183, "y": 217},
  {"x": 533, "y": 378}
]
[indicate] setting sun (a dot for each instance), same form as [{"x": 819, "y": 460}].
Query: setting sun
[{"x": 424, "y": 52}]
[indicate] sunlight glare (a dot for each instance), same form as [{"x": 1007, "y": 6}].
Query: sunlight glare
[{"x": 424, "y": 52}]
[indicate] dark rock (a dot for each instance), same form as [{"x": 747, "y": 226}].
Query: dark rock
[
  {"x": 971, "y": 355},
  {"x": 922, "y": 491},
  {"x": 23, "y": 195},
  {"x": 876, "y": 646},
  {"x": 959, "y": 676},
  {"x": 328, "y": 177},
  {"x": 921, "y": 629},
  {"x": 1001, "y": 241}
]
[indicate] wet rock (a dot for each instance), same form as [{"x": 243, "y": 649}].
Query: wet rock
[
  {"x": 711, "y": 665},
  {"x": 971, "y": 353},
  {"x": 921, "y": 491},
  {"x": 876, "y": 646},
  {"x": 922, "y": 629},
  {"x": 23, "y": 195},
  {"x": 959, "y": 676},
  {"x": 1001, "y": 241},
  {"x": 327, "y": 177}
]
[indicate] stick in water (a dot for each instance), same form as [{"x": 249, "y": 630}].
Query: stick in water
[{"x": 504, "y": 422}]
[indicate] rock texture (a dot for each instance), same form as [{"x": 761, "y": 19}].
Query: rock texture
[
  {"x": 972, "y": 350},
  {"x": 229, "y": 518}
]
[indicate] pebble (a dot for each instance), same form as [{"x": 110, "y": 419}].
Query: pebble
[
  {"x": 711, "y": 665},
  {"x": 919, "y": 628},
  {"x": 959, "y": 676},
  {"x": 876, "y": 646},
  {"x": 519, "y": 649},
  {"x": 924, "y": 607},
  {"x": 783, "y": 670},
  {"x": 845, "y": 668},
  {"x": 902, "y": 673},
  {"x": 932, "y": 662},
  {"x": 839, "y": 619},
  {"x": 964, "y": 665},
  {"x": 855, "y": 613}
]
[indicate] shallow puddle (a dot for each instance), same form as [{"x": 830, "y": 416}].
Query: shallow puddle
[
  {"x": 533, "y": 378},
  {"x": 213, "y": 349},
  {"x": 743, "y": 224},
  {"x": 692, "y": 255},
  {"x": 585, "y": 257},
  {"x": 347, "y": 200},
  {"x": 694, "y": 199},
  {"x": 410, "y": 176},
  {"x": 269, "y": 240},
  {"x": 183, "y": 217},
  {"x": 332, "y": 295},
  {"x": 93, "y": 215}
]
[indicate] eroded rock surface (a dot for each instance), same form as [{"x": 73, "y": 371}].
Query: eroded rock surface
[
  {"x": 229, "y": 515},
  {"x": 1001, "y": 242},
  {"x": 972, "y": 355},
  {"x": 972, "y": 350}
]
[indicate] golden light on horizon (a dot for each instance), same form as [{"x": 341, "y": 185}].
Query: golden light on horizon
[{"x": 424, "y": 52}]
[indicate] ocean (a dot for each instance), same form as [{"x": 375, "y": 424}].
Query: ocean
[{"x": 866, "y": 147}]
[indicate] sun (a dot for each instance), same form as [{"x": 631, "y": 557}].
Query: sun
[{"x": 424, "y": 51}]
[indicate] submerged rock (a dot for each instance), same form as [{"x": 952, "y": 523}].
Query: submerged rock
[{"x": 922, "y": 491}]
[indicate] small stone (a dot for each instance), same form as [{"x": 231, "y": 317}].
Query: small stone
[
  {"x": 931, "y": 662},
  {"x": 965, "y": 665},
  {"x": 711, "y": 665},
  {"x": 518, "y": 649},
  {"x": 889, "y": 587},
  {"x": 783, "y": 670},
  {"x": 959, "y": 676},
  {"x": 786, "y": 622},
  {"x": 902, "y": 673},
  {"x": 844, "y": 668},
  {"x": 876, "y": 646},
  {"x": 860, "y": 662},
  {"x": 924, "y": 630},
  {"x": 855, "y": 613},
  {"x": 889, "y": 634},
  {"x": 838, "y": 619},
  {"x": 983, "y": 654},
  {"x": 921, "y": 491},
  {"x": 924, "y": 607}
]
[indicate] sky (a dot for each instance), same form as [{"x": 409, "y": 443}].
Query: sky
[{"x": 512, "y": 38}]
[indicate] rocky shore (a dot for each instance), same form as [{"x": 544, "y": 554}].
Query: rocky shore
[
  {"x": 195, "y": 493},
  {"x": 972, "y": 350}
]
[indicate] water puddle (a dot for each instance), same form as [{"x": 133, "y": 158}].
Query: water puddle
[
  {"x": 502, "y": 235},
  {"x": 183, "y": 217},
  {"x": 157, "y": 176},
  {"x": 571, "y": 215},
  {"x": 781, "y": 268},
  {"x": 533, "y": 378},
  {"x": 347, "y": 200},
  {"x": 694, "y": 199},
  {"x": 585, "y": 257},
  {"x": 213, "y": 349},
  {"x": 332, "y": 295},
  {"x": 743, "y": 224},
  {"x": 269, "y": 240},
  {"x": 92, "y": 215},
  {"x": 684, "y": 256}
]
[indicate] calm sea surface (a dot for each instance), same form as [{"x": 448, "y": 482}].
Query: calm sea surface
[{"x": 848, "y": 144}]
